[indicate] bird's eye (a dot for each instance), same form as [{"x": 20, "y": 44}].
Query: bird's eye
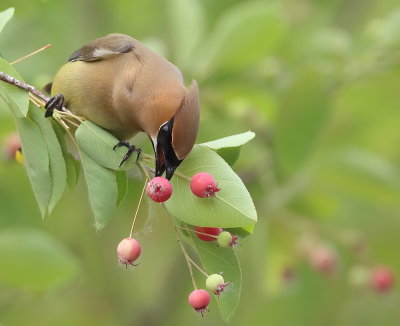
[{"x": 165, "y": 128}]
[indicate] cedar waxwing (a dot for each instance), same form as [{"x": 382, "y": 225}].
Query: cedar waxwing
[{"x": 124, "y": 87}]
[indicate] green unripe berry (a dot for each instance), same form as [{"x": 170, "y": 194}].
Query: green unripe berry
[
  {"x": 224, "y": 239},
  {"x": 213, "y": 281}
]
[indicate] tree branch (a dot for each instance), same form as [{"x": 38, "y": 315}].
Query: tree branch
[{"x": 13, "y": 81}]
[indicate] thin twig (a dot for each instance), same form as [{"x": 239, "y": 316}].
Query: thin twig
[
  {"x": 185, "y": 254},
  {"x": 35, "y": 101},
  {"x": 31, "y": 54},
  {"x": 137, "y": 209},
  {"x": 198, "y": 267}
]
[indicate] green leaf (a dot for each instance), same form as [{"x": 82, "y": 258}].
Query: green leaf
[
  {"x": 232, "y": 207},
  {"x": 221, "y": 260},
  {"x": 122, "y": 184},
  {"x": 16, "y": 96},
  {"x": 242, "y": 232},
  {"x": 230, "y": 141},
  {"x": 229, "y": 147},
  {"x": 36, "y": 159},
  {"x": 73, "y": 171},
  {"x": 98, "y": 144},
  {"x": 34, "y": 260},
  {"x": 229, "y": 154},
  {"x": 186, "y": 18},
  {"x": 72, "y": 166},
  {"x": 102, "y": 189},
  {"x": 5, "y": 16},
  {"x": 58, "y": 171},
  {"x": 243, "y": 35}
]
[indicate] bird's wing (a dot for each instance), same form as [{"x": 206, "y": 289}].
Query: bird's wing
[{"x": 103, "y": 48}]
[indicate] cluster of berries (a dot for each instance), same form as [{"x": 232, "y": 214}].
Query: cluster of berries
[
  {"x": 325, "y": 260},
  {"x": 202, "y": 185}
]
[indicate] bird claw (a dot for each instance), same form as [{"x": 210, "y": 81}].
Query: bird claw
[
  {"x": 55, "y": 102},
  {"x": 131, "y": 149}
]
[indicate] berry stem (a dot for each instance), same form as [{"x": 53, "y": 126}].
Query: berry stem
[
  {"x": 188, "y": 260},
  {"x": 198, "y": 267},
  {"x": 179, "y": 174},
  {"x": 185, "y": 254},
  {"x": 194, "y": 231},
  {"x": 143, "y": 168},
  {"x": 138, "y": 206}
]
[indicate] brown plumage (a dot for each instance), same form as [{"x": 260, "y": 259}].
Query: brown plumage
[{"x": 124, "y": 87}]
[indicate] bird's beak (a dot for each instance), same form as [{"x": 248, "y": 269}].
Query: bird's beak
[
  {"x": 166, "y": 160},
  {"x": 160, "y": 161}
]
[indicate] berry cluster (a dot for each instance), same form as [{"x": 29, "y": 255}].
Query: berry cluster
[
  {"x": 324, "y": 259},
  {"x": 202, "y": 185}
]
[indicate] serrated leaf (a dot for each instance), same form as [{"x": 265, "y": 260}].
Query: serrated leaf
[
  {"x": 230, "y": 141},
  {"x": 122, "y": 184},
  {"x": 36, "y": 159},
  {"x": 243, "y": 35},
  {"x": 186, "y": 18},
  {"x": 232, "y": 207},
  {"x": 221, "y": 260},
  {"x": 18, "y": 97},
  {"x": 102, "y": 189},
  {"x": 34, "y": 260},
  {"x": 98, "y": 144},
  {"x": 57, "y": 169},
  {"x": 5, "y": 16}
]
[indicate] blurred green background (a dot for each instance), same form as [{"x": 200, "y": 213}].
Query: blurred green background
[{"x": 319, "y": 83}]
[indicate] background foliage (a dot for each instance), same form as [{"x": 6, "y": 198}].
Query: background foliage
[{"x": 318, "y": 83}]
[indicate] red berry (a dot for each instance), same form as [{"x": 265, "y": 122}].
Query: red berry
[
  {"x": 382, "y": 278},
  {"x": 203, "y": 185},
  {"x": 323, "y": 259},
  {"x": 128, "y": 251},
  {"x": 199, "y": 300},
  {"x": 159, "y": 189},
  {"x": 211, "y": 231}
]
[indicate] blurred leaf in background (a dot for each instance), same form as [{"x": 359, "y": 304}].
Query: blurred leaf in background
[{"x": 317, "y": 81}]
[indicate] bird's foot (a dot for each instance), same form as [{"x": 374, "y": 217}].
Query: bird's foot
[
  {"x": 131, "y": 149},
  {"x": 55, "y": 102}
]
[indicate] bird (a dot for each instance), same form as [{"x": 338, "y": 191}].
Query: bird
[{"x": 124, "y": 87}]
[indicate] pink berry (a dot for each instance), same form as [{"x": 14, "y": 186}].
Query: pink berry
[
  {"x": 128, "y": 251},
  {"x": 203, "y": 185},
  {"x": 159, "y": 189},
  {"x": 323, "y": 259},
  {"x": 199, "y": 300},
  {"x": 210, "y": 231},
  {"x": 382, "y": 278}
]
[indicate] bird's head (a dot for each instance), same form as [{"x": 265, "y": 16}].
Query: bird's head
[{"x": 176, "y": 137}]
